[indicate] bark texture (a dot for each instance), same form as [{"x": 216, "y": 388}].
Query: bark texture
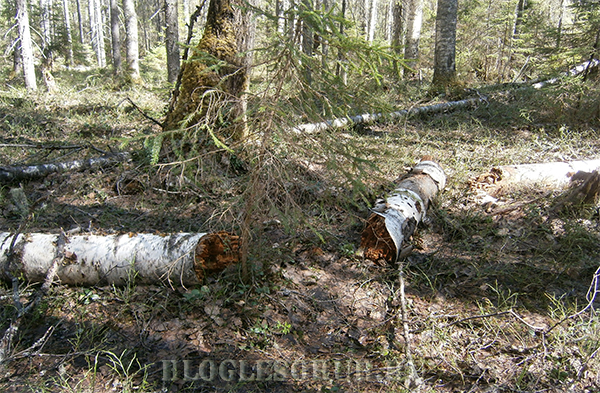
[
  {"x": 394, "y": 220},
  {"x": 172, "y": 40},
  {"x": 551, "y": 174},
  {"x": 216, "y": 75},
  {"x": 10, "y": 174},
  {"x": 414, "y": 22},
  {"x": 26, "y": 48},
  {"x": 115, "y": 36},
  {"x": 444, "y": 68},
  {"x": 131, "y": 41},
  {"x": 178, "y": 259}
]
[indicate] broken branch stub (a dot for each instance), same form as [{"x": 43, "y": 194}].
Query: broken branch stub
[
  {"x": 395, "y": 220},
  {"x": 180, "y": 259}
]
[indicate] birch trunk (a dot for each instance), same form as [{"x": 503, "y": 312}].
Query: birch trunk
[
  {"x": 373, "y": 20},
  {"x": 172, "y": 40},
  {"x": 179, "y": 259},
  {"x": 132, "y": 41},
  {"x": 414, "y": 22},
  {"x": 394, "y": 220},
  {"x": 551, "y": 174},
  {"x": 68, "y": 32},
  {"x": 26, "y": 46},
  {"x": 115, "y": 34},
  {"x": 444, "y": 69}
]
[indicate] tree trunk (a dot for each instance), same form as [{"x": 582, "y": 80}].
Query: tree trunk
[
  {"x": 115, "y": 36},
  {"x": 340, "y": 71},
  {"x": 373, "y": 20},
  {"x": 552, "y": 174},
  {"x": 80, "y": 22},
  {"x": 218, "y": 69},
  {"x": 307, "y": 41},
  {"x": 69, "y": 34},
  {"x": 26, "y": 47},
  {"x": 396, "y": 30},
  {"x": 131, "y": 41},
  {"x": 97, "y": 31},
  {"x": 172, "y": 40},
  {"x": 46, "y": 30},
  {"x": 394, "y": 220},
  {"x": 444, "y": 71},
  {"x": 9, "y": 174},
  {"x": 181, "y": 259},
  {"x": 414, "y": 22}
]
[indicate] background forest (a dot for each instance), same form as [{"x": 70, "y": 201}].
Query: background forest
[{"x": 496, "y": 296}]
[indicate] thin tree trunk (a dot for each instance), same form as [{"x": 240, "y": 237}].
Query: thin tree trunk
[
  {"x": 414, "y": 22},
  {"x": 444, "y": 71},
  {"x": 26, "y": 47},
  {"x": 80, "y": 21},
  {"x": 373, "y": 20},
  {"x": 307, "y": 41},
  {"x": 180, "y": 259},
  {"x": 340, "y": 68},
  {"x": 97, "y": 30},
  {"x": 68, "y": 32},
  {"x": 396, "y": 31},
  {"x": 132, "y": 41},
  {"x": 115, "y": 36},
  {"x": 172, "y": 40}
]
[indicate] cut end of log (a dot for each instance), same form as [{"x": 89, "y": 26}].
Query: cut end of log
[
  {"x": 376, "y": 240},
  {"x": 215, "y": 252}
]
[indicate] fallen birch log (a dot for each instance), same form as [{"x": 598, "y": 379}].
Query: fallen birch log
[
  {"x": 9, "y": 174},
  {"x": 372, "y": 117},
  {"x": 394, "y": 220},
  {"x": 552, "y": 174},
  {"x": 577, "y": 70},
  {"x": 179, "y": 259}
]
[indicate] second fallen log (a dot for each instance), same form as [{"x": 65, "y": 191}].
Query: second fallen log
[
  {"x": 176, "y": 259},
  {"x": 394, "y": 220}
]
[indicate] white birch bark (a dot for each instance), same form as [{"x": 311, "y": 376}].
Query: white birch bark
[
  {"x": 69, "y": 33},
  {"x": 414, "y": 23},
  {"x": 132, "y": 40},
  {"x": 394, "y": 220},
  {"x": 26, "y": 47},
  {"x": 373, "y": 20},
  {"x": 177, "y": 259}
]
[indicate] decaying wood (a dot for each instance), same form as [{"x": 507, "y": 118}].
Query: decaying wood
[
  {"x": 584, "y": 190},
  {"x": 552, "y": 174},
  {"x": 9, "y": 174},
  {"x": 395, "y": 220},
  {"x": 577, "y": 70},
  {"x": 179, "y": 259}
]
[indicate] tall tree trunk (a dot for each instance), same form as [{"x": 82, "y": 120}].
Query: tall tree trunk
[
  {"x": 68, "y": 33},
  {"x": 115, "y": 36},
  {"x": 414, "y": 22},
  {"x": 444, "y": 71},
  {"x": 26, "y": 48},
  {"x": 131, "y": 41},
  {"x": 46, "y": 29},
  {"x": 219, "y": 70},
  {"x": 307, "y": 40},
  {"x": 172, "y": 40},
  {"x": 80, "y": 22},
  {"x": 373, "y": 20},
  {"x": 519, "y": 10},
  {"x": 97, "y": 29},
  {"x": 396, "y": 30},
  {"x": 340, "y": 69}
]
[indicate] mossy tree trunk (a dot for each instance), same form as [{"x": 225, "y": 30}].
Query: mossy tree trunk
[{"x": 215, "y": 78}]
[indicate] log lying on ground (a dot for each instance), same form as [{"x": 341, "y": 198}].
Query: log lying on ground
[
  {"x": 394, "y": 220},
  {"x": 177, "y": 259},
  {"x": 551, "y": 174},
  {"x": 577, "y": 70},
  {"x": 10, "y": 174},
  {"x": 372, "y": 117}
]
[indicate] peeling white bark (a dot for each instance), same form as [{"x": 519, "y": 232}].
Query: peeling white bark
[
  {"x": 402, "y": 211},
  {"x": 179, "y": 259}
]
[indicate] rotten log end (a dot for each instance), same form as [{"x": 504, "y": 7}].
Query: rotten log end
[
  {"x": 215, "y": 252},
  {"x": 376, "y": 240}
]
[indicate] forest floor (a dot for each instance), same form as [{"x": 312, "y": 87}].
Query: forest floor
[{"x": 493, "y": 298}]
